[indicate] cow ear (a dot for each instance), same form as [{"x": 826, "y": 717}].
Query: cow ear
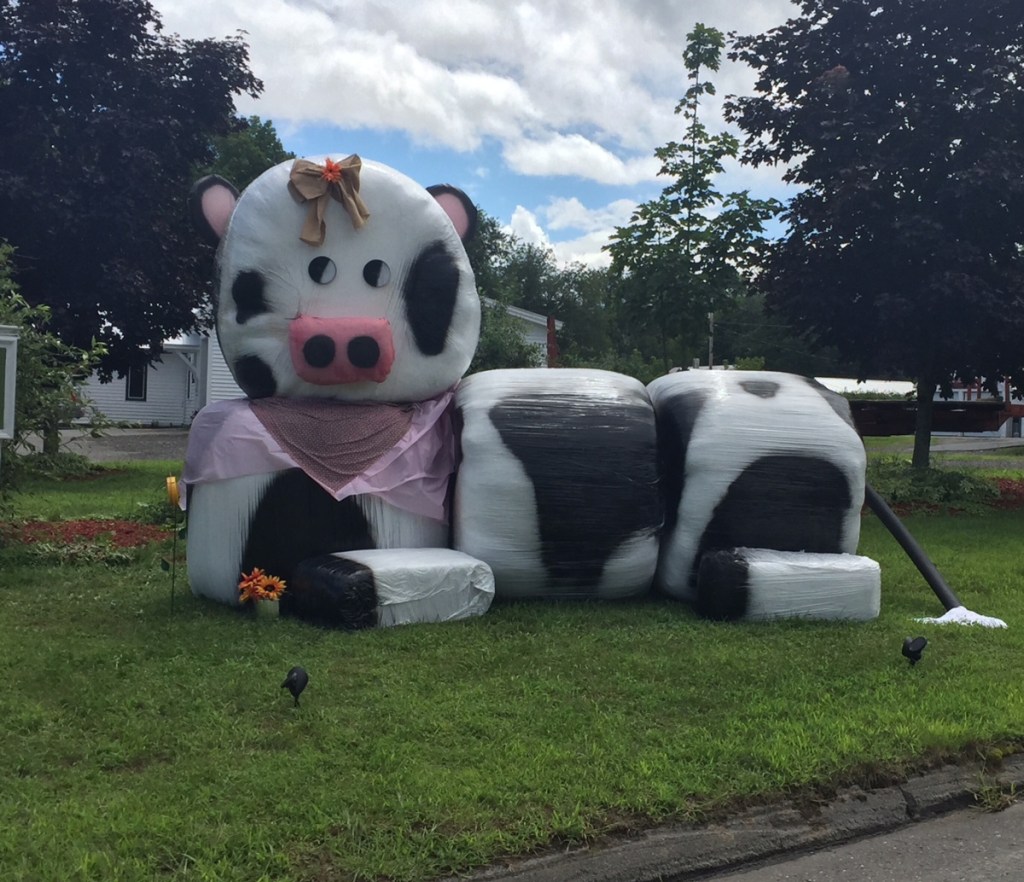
[
  {"x": 211, "y": 202},
  {"x": 458, "y": 206}
]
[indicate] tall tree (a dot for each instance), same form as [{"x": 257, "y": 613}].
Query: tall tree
[
  {"x": 248, "y": 151},
  {"x": 902, "y": 121},
  {"x": 103, "y": 121},
  {"x": 502, "y": 342},
  {"x": 682, "y": 251}
]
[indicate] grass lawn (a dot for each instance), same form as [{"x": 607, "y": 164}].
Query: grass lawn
[{"x": 141, "y": 744}]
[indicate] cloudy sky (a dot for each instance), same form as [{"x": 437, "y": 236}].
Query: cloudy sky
[{"x": 546, "y": 112}]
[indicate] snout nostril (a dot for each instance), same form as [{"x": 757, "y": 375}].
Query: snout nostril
[
  {"x": 363, "y": 352},
  {"x": 318, "y": 351}
]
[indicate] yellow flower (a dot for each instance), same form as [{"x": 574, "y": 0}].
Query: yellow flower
[
  {"x": 259, "y": 585},
  {"x": 271, "y": 588}
]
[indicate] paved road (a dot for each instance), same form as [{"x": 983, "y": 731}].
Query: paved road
[
  {"x": 128, "y": 444},
  {"x": 966, "y": 846}
]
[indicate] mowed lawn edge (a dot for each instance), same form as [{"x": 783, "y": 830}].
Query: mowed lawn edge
[{"x": 143, "y": 744}]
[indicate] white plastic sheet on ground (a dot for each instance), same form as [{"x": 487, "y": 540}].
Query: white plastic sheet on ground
[{"x": 960, "y": 615}]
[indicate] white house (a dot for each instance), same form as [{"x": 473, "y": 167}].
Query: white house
[
  {"x": 192, "y": 373},
  {"x": 166, "y": 393}
]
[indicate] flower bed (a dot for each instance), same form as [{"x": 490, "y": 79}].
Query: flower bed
[
  {"x": 119, "y": 533},
  {"x": 1011, "y": 493}
]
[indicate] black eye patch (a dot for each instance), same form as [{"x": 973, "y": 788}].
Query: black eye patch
[{"x": 247, "y": 292}]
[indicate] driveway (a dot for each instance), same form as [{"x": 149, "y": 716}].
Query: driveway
[{"x": 128, "y": 444}]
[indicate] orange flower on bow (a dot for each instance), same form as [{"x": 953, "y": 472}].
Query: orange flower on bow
[
  {"x": 318, "y": 184},
  {"x": 333, "y": 171},
  {"x": 258, "y": 585}
]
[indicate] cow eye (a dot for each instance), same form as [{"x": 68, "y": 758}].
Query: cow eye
[
  {"x": 377, "y": 273},
  {"x": 322, "y": 270}
]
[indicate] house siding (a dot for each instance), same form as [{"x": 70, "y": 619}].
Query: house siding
[
  {"x": 220, "y": 385},
  {"x": 171, "y": 398}
]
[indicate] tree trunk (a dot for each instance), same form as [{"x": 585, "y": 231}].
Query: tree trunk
[
  {"x": 51, "y": 439},
  {"x": 923, "y": 425}
]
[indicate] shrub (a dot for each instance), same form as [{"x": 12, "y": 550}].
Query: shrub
[{"x": 906, "y": 487}]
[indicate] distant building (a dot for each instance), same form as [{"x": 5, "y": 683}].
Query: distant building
[{"x": 192, "y": 373}]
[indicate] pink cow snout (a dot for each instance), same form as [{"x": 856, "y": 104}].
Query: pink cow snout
[{"x": 329, "y": 351}]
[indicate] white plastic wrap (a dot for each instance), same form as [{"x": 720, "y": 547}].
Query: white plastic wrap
[
  {"x": 755, "y": 584},
  {"x": 402, "y": 280},
  {"x": 757, "y": 459},
  {"x": 426, "y": 584},
  {"x": 557, "y": 484},
  {"x": 274, "y": 521},
  {"x": 385, "y": 587}
]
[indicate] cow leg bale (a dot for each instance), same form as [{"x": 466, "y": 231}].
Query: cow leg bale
[
  {"x": 385, "y": 587},
  {"x": 756, "y": 583}
]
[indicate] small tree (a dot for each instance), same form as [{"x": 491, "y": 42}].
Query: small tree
[
  {"x": 50, "y": 374},
  {"x": 682, "y": 253},
  {"x": 248, "y": 151},
  {"x": 502, "y": 343}
]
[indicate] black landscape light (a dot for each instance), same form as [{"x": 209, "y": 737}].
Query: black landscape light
[
  {"x": 295, "y": 682},
  {"x": 912, "y": 648}
]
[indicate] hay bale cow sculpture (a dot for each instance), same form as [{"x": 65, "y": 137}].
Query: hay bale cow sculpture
[
  {"x": 347, "y": 330},
  {"x": 347, "y": 312}
]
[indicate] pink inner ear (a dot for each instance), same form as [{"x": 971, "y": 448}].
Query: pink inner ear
[
  {"x": 454, "y": 208},
  {"x": 218, "y": 203}
]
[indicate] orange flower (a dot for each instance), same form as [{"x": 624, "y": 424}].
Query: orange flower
[
  {"x": 259, "y": 585},
  {"x": 249, "y": 587},
  {"x": 272, "y": 588},
  {"x": 332, "y": 172}
]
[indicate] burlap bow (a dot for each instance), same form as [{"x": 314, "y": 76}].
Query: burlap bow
[{"x": 318, "y": 184}]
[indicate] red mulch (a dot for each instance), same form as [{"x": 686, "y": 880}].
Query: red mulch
[
  {"x": 122, "y": 534},
  {"x": 1011, "y": 493}
]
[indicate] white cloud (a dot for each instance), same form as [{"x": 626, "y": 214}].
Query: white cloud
[
  {"x": 596, "y": 226},
  {"x": 580, "y": 157},
  {"x": 562, "y": 89},
  {"x": 525, "y": 226},
  {"x": 571, "y": 214},
  {"x": 585, "y": 250}
]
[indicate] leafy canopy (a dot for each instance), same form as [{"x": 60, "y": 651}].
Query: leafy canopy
[
  {"x": 902, "y": 121},
  {"x": 244, "y": 154},
  {"x": 103, "y": 122}
]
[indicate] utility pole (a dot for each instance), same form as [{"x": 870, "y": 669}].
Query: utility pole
[{"x": 711, "y": 340}]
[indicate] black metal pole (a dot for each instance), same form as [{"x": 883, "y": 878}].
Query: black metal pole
[{"x": 910, "y": 545}]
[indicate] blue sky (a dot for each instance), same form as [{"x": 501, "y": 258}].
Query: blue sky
[{"x": 547, "y": 112}]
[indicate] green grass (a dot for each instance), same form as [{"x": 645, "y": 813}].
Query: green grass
[
  {"x": 116, "y": 490},
  {"x": 143, "y": 744},
  {"x": 888, "y": 443}
]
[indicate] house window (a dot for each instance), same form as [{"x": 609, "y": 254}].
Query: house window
[{"x": 135, "y": 388}]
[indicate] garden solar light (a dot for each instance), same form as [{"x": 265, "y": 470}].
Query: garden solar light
[
  {"x": 913, "y": 647},
  {"x": 295, "y": 682}
]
